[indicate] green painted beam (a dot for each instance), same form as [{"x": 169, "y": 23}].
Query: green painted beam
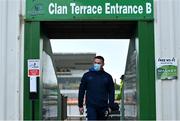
[
  {"x": 31, "y": 51},
  {"x": 69, "y": 10},
  {"x": 146, "y": 71}
]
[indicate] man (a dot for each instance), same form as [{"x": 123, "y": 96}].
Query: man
[{"x": 99, "y": 89}]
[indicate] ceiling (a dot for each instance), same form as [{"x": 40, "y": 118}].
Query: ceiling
[{"x": 89, "y": 29}]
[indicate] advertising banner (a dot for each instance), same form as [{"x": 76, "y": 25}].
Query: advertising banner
[{"x": 166, "y": 68}]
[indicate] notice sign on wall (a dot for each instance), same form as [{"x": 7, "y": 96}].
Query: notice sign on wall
[
  {"x": 166, "y": 68},
  {"x": 33, "y": 68}
]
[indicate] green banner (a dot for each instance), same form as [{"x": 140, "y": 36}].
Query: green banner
[
  {"x": 89, "y": 10},
  {"x": 167, "y": 72}
]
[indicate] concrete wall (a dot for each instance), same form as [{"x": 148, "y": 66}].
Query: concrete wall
[
  {"x": 167, "y": 44},
  {"x": 11, "y": 59}
]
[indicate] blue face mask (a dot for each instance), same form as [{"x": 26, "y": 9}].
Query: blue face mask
[{"x": 97, "y": 67}]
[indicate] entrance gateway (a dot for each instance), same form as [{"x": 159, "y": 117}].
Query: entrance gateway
[{"x": 92, "y": 19}]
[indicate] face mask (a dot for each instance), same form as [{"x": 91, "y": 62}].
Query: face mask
[{"x": 97, "y": 67}]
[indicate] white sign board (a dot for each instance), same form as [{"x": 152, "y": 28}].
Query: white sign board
[
  {"x": 33, "y": 84},
  {"x": 166, "y": 68},
  {"x": 33, "y": 67}
]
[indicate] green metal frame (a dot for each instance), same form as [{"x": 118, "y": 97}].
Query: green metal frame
[
  {"x": 31, "y": 51},
  {"x": 146, "y": 70},
  {"x": 37, "y": 10}
]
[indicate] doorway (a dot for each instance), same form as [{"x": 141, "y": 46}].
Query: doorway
[
  {"x": 139, "y": 31},
  {"x": 73, "y": 58}
]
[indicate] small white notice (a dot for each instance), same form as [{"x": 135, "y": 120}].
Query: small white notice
[
  {"x": 33, "y": 84},
  {"x": 33, "y": 67},
  {"x": 167, "y": 68}
]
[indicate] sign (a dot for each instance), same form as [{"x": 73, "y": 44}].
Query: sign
[
  {"x": 166, "y": 68},
  {"x": 33, "y": 84},
  {"x": 89, "y": 9},
  {"x": 33, "y": 67}
]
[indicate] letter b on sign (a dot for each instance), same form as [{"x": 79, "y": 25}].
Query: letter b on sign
[{"x": 148, "y": 8}]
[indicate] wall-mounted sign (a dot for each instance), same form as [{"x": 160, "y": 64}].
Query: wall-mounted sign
[
  {"x": 166, "y": 68},
  {"x": 33, "y": 67},
  {"x": 89, "y": 9},
  {"x": 33, "y": 84}
]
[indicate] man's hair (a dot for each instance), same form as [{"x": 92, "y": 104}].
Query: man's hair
[
  {"x": 122, "y": 77},
  {"x": 99, "y": 57}
]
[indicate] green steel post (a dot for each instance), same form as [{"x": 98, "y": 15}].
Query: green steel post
[
  {"x": 31, "y": 51},
  {"x": 146, "y": 72}
]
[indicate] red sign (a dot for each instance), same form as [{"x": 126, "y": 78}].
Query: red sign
[{"x": 33, "y": 72}]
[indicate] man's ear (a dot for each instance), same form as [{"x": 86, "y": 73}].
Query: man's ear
[{"x": 103, "y": 64}]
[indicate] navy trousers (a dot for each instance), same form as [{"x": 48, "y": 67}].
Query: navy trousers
[{"x": 96, "y": 113}]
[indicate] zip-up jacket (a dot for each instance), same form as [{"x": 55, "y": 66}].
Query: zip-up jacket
[{"x": 98, "y": 88}]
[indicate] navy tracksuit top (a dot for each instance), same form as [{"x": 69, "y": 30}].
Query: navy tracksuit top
[{"x": 98, "y": 87}]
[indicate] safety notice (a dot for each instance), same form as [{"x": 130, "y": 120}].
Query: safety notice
[{"x": 33, "y": 68}]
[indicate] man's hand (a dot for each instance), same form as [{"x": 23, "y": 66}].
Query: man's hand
[
  {"x": 81, "y": 110},
  {"x": 109, "y": 109},
  {"x": 107, "y": 112}
]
